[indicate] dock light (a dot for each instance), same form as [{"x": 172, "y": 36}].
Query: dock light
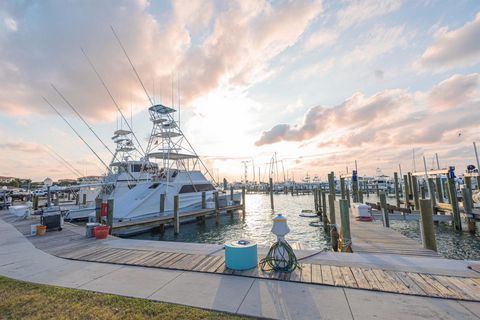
[
  {"x": 280, "y": 257},
  {"x": 280, "y": 227}
]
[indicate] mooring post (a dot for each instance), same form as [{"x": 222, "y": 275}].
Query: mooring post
[
  {"x": 217, "y": 207},
  {"x": 360, "y": 196},
  {"x": 324, "y": 209},
  {"x": 397, "y": 189},
  {"x": 366, "y": 188},
  {"x": 438, "y": 188},
  {"x": 162, "y": 202},
  {"x": 35, "y": 202},
  {"x": 243, "y": 202},
  {"x": 98, "y": 208},
  {"x": 225, "y": 184},
  {"x": 422, "y": 191},
  {"x": 342, "y": 187},
  {"x": 110, "y": 215},
  {"x": 331, "y": 205},
  {"x": 426, "y": 222},
  {"x": 348, "y": 196},
  {"x": 416, "y": 199},
  {"x": 384, "y": 209},
  {"x": 345, "y": 221},
  {"x": 407, "y": 191},
  {"x": 319, "y": 202},
  {"x": 452, "y": 193},
  {"x": 354, "y": 187},
  {"x": 176, "y": 218},
  {"x": 271, "y": 193},
  {"x": 331, "y": 183},
  {"x": 204, "y": 200},
  {"x": 231, "y": 193},
  {"x": 377, "y": 190},
  {"x": 315, "y": 203},
  {"x": 334, "y": 237},
  {"x": 468, "y": 184},
  {"x": 467, "y": 207}
]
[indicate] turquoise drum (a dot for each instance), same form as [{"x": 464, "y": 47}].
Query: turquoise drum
[{"x": 241, "y": 255}]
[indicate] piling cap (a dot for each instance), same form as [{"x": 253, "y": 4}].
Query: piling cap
[{"x": 280, "y": 227}]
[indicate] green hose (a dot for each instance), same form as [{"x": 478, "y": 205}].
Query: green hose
[{"x": 287, "y": 261}]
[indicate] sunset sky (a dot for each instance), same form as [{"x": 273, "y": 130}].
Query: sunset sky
[{"x": 321, "y": 83}]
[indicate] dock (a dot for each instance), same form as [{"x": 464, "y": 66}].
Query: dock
[{"x": 71, "y": 244}]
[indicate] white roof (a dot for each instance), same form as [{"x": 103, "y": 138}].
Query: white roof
[
  {"x": 171, "y": 155},
  {"x": 159, "y": 108}
]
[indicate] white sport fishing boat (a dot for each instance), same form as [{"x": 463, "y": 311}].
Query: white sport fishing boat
[{"x": 137, "y": 185}]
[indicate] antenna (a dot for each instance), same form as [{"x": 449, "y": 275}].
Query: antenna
[
  {"x": 178, "y": 99},
  {"x": 130, "y": 127},
  {"x": 76, "y": 132},
  {"x": 131, "y": 64}
]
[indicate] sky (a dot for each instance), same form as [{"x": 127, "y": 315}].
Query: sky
[{"x": 316, "y": 84}]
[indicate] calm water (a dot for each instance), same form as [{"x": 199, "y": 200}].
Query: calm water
[{"x": 258, "y": 223}]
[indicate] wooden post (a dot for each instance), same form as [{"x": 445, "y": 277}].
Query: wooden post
[
  {"x": 176, "y": 217},
  {"x": 225, "y": 185},
  {"x": 217, "y": 207},
  {"x": 397, "y": 189},
  {"x": 204, "y": 200},
  {"x": 331, "y": 205},
  {"x": 438, "y": 188},
  {"x": 98, "y": 208},
  {"x": 331, "y": 183},
  {"x": 407, "y": 191},
  {"x": 467, "y": 207},
  {"x": 162, "y": 202},
  {"x": 348, "y": 197},
  {"x": 422, "y": 191},
  {"x": 468, "y": 184},
  {"x": 431, "y": 185},
  {"x": 426, "y": 222},
  {"x": 324, "y": 209},
  {"x": 384, "y": 209},
  {"x": 110, "y": 215},
  {"x": 231, "y": 193},
  {"x": 366, "y": 188},
  {"x": 271, "y": 193},
  {"x": 334, "y": 237},
  {"x": 345, "y": 221},
  {"x": 452, "y": 192},
  {"x": 319, "y": 202},
  {"x": 377, "y": 190},
  {"x": 243, "y": 203},
  {"x": 35, "y": 202},
  {"x": 354, "y": 187},
  {"x": 414, "y": 187},
  {"x": 315, "y": 202},
  {"x": 342, "y": 187},
  {"x": 360, "y": 196},
  {"x": 84, "y": 199}
]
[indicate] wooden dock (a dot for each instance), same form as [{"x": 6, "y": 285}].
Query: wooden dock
[{"x": 71, "y": 243}]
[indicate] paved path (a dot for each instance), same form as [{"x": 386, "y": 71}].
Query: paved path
[{"x": 19, "y": 259}]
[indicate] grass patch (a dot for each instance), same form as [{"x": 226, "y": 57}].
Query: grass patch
[{"x": 23, "y": 300}]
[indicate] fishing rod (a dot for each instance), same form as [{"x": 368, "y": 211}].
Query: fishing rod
[
  {"x": 151, "y": 102},
  {"x": 111, "y": 97},
  {"x": 67, "y": 164},
  {"x": 78, "y": 135}
]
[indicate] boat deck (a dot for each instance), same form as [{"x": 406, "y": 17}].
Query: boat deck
[{"x": 71, "y": 243}]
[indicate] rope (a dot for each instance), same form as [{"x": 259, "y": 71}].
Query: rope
[{"x": 280, "y": 257}]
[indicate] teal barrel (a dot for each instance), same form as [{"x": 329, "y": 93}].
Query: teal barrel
[{"x": 241, "y": 255}]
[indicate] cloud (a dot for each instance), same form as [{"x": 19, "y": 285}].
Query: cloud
[
  {"x": 454, "y": 91},
  {"x": 456, "y": 48},
  {"x": 359, "y": 11},
  {"x": 320, "y": 39},
  {"x": 391, "y": 117},
  {"x": 207, "y": 44}
]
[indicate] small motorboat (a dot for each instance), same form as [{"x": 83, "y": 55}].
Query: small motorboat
[{"x": 306, "y": 213}]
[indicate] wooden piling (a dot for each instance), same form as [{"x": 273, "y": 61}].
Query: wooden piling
[
  {"x": 342, "y": 187},
  {"x": 468, "y": 184},
  {"x": 431, "y": 186},
  {"x": 243, "y": 203},
  {"x": 354, "y": 187},
  {"x": 176, "y": 217},
  {"x": 231, "y": 193},
  {"x": 426, "y": 223},
  {"x": 384, "y": 209},
  {"x": 452, "y": 193},
  {"x": 98, "y": 208},
  {"x": 360, "y": 196},
  {"x": 319, "y": 203},
  {"x": 407, "y": 191},
  {"x": 315, "y": 202},
  {"x": 35, "y": 202},
  {"x": 438, "y": 188},
  {"x": 397, "y": 189},
  {"x": 204, "y": 200},
  {"x": 467, "y": 207},
  {"x": 331, "y": 205},
  {"x": 110, "y": 215},
  {"x": 345, "y": 222},
  {"x": 271, "y": 193},
  {"x": 414, "y": 187},
  {"x": 324, "y": 209},
  {"x": 162, "y": 202},
  {"x": 377, "y": 190},
  {"x": 331, "y": 183},
  {"x": 348, "y": 196},
  {"x": 334, "y": 237},
  {"x": 217, "y": 207}
]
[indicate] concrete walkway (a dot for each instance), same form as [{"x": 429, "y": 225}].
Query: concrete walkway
[{"x": 19, "y": 259}]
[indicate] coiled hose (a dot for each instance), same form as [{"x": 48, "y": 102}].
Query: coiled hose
[{"x": 280, "y": 257}]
